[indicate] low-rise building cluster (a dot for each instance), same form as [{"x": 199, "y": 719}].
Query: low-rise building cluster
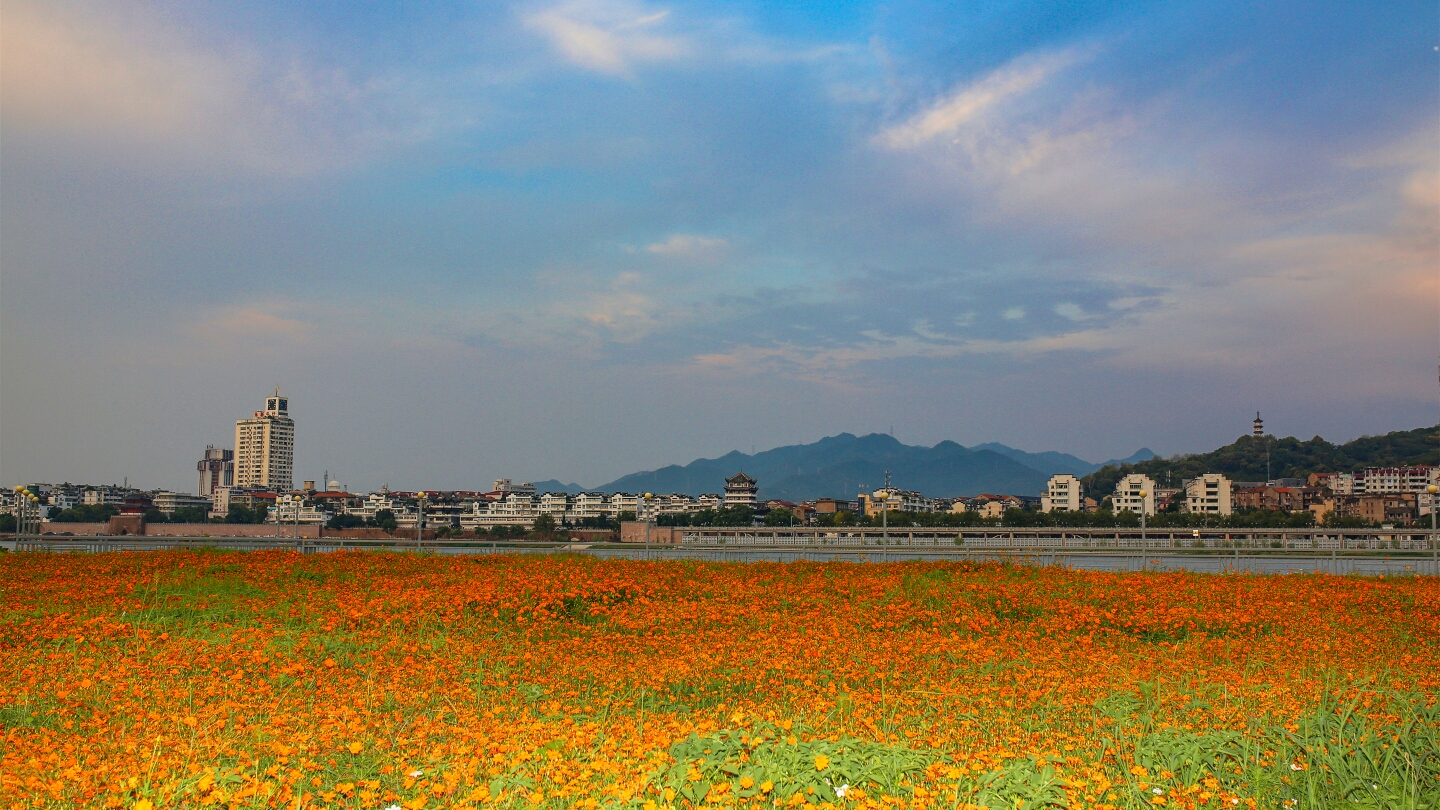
[{"x": 1385, "y": 495}]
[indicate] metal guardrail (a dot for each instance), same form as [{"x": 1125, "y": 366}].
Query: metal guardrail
[
  {"x": 1067, "y": 539},
  {"x": 1361, "y": 554}
]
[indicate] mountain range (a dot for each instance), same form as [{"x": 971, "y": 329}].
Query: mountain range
[
  {"x": 844, "y": 465},
  {"x": 841, "y": 466}
]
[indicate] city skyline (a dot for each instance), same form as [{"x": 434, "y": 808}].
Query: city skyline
[{"x": 579, "y": 239}]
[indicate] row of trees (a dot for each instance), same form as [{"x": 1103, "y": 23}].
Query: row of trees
[{"x": 1021, "y": 518}]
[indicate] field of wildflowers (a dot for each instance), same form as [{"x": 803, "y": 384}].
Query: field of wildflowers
[{"x": 208, "y": 679}]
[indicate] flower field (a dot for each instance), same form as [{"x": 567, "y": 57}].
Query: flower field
[{"x": 208, "y": 679}]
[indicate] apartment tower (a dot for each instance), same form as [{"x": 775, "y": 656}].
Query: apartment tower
[{"x": 265, "y": 447}]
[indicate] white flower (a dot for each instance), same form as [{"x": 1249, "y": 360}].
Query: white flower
[
  {"x": 842, "y": 790},
  {"x": 416, "y": 774},
  {"x": 1157, "y": 791},
  {"x": 1295, "y": 767},
  {"x": 393, "y": 807}
]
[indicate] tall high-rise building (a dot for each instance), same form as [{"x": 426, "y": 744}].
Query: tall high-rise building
[
  {"x": 217, "y": 470},
  {"x": 265, "y": 446}
]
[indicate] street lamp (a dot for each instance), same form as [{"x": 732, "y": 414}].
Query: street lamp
[
  {"x": 1143, "y": 495},
  {"x": 22, "y": 517},
  {"x": 1432, "y": 489},
  {"x": 419, "y": 518},
  {"x": 647, "y": 496},
  {"x": 884, "y": 526}
]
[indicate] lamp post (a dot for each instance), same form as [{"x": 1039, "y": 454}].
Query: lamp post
[
  {"x": 1432, "y": 489},
  {"x": 420, "y": 518},
  {"x": 22, "y": 511},
  {"x": 884, "y": 526},
  {"x": 1143, "y": 495},
  {"x": 647, "y": 496},
  {"x": 295, "y": 502}
]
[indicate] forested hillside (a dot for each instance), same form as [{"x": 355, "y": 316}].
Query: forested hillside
[{"x": 1244, "y": 460}]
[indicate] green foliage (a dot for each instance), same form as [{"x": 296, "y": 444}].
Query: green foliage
[
  {"x": 738, "y": 515},
  {"x": 780, "y": 517},
  {"x": 7, "y": 523},
  {"x": 544, "y": 525},
  {"x": 344, "y": 521},
  {"x": 742, "y": 762},
  {"x": 85, "y": 513},
  {"x": 600, "y": 522},
  {"x": 1339, "y": 755},
  {"x": 244, "y": 515},
  {"x": 190, "y": 514},
  {"x": 1244, "y": 459},
  {"x": 1026, "y": 518},
  {"x": 385, "y": 519}
]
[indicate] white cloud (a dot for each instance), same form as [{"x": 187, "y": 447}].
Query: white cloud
[
  {"x": 607, "y": 37},
  {"x": 1071, "y": 311},
  {"x": 689, "y": 246},
  {"x": 1013, "y": 313},
  {"x": 968, "y": 105}
]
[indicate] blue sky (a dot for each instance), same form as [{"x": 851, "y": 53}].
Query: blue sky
[{"x": 578, "y": 239}]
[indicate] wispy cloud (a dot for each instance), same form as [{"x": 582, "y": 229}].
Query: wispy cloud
[
  {"x": 968, "y": 105},
  {"x": 689, "y": 246},
  {"x": 608, "y": 37},
  {"x": 139, "y": 83}
]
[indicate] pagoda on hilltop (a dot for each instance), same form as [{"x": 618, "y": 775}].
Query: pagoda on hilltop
[{"x": 741, "y": 489}]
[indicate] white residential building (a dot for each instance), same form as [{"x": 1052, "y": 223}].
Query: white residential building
[
  {"x": 1063, "y": 494},
  {"x": 506, "y": 486},
  {"x": 1128, "y": 494},
  {"x": 265, "y": 446},
  {"x": 65, "y": 500},
  {"x": 1390, "y": 480},
  {"x": 1344, "y": 484},
  {"x": 168, "y": 502},
  {"x": 589, "y": 505},
  {"x": 100, "y": 497},
  {"x": 557, "y": 505},
  {"x": 1209, "y": 494},
  {"x": 284, "y": 510}
]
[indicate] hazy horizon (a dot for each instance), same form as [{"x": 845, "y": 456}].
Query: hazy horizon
[{"x": 584, "y": 238}]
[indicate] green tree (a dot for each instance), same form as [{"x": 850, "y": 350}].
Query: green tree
[
  {"x": 344, "y": 521},
  {"x": 385, "y": 519},
  {"x": 544, "y": 526},
  {"x": 85, "y": 513},
  {"x": 190, "y": 514},
  {"x": 780, "y": 516},
  {"x": 241, "y": 514},
  {"x": 8, "y": 523}
]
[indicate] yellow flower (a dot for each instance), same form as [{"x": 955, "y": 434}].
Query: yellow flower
[
  {"x": 144, "y": 804},
  {"x": 767, "y": 786},
  {"x": 356, "y": 748},
  {"x": 822, "y": 762},
  {"x": 746, "y": 783}
]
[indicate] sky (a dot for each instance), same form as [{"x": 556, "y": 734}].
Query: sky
[{"x": 578, "y": 239}]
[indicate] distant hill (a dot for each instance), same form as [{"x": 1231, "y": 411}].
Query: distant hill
[
  {"x": 1244, "y": 459},
  {"x": 1053, "y": 463},
  {"x": 841, "y": 466},
  {"x": 553, "y": 485}
]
